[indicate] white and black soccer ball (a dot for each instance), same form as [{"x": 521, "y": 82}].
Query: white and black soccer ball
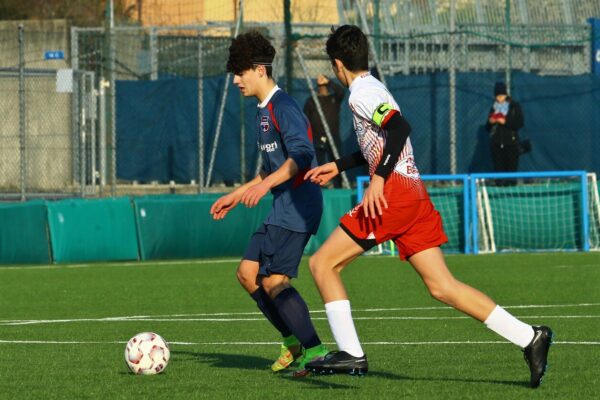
[{"x": 147, "y": 353}]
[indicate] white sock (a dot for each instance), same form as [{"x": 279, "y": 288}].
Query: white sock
[
  {"x": 342, "y": 327},
  {"x": 509, "y": 327}
]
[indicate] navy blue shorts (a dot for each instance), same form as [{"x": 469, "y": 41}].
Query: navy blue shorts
[{"x": 277, "y": 250}]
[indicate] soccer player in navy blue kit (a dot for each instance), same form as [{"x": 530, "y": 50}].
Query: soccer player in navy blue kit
[{"x": 272, "y": 257}]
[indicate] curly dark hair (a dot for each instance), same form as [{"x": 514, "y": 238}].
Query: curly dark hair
[
  {"x": 349, "y": 45},
  {"x": 247, "y": 50}
]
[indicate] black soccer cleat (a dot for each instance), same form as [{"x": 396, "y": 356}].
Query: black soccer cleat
[
  {"x": 339, "y": 362},
  {"x": 536, "y": 354}
]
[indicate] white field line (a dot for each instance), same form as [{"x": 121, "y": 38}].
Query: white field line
[
  {"x": 577, "y": 266},
  {"x": 387, "y": 343},
  {"x": 367, "y": 310},
  {"x": 122, "y": 264},
  {"x": 212, "y": 317},
  {"x": 192, "y": 262},
  {"x": 184, "y": 317},
  {"x": 189, "y": 317},
  {"x": 262, "y": 319}
]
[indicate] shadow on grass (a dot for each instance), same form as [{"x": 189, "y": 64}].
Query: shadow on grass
[
  {"x": 391, "y": 376},
  {"x": 241, "y": 361},
  {"x": 223, "y": 360}
]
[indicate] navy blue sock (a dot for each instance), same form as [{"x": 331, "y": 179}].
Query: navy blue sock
[
  {"x": 294, "y": 312},
  {"x": 268, "y": 308}
]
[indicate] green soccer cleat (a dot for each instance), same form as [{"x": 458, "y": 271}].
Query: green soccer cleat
[
  {"x": 287, "y": 356},
  {"x": 313, "y": 354}
]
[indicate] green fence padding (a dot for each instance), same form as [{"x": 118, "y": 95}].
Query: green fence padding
[
  {"x": 92, "y": 230},
  {"x": 182, "y": 227},
  {"x": 24, "y": 235}
]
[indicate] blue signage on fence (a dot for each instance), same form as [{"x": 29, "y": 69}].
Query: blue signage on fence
[
  {"x": 595, "y": 22},
  {"x": 54, "y": 55}
]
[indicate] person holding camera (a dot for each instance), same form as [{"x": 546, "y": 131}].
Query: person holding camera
[{"x": 504, "y": 121}]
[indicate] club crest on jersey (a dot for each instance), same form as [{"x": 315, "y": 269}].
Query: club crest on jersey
[{"x": 264, "y": 123}]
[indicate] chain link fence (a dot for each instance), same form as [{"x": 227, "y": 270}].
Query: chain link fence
[
  {"x": 47, "y": 112},
  {"x": 154, "y": 111}
]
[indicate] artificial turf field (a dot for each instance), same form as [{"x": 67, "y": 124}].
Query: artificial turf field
[{"x": 63, "y": 331}]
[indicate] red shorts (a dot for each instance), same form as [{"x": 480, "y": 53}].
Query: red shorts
[{"x": 413, "y": 225}]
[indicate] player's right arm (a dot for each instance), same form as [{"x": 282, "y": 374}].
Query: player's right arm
[{"x": 226, "y": 203}]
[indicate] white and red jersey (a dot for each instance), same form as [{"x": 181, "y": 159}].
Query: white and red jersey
[{"x": 372, "y": 105}]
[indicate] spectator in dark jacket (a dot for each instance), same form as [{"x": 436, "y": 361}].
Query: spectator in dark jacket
[
  {"x": 504, "y": 121},
  {"x": 330, "y": 97}
]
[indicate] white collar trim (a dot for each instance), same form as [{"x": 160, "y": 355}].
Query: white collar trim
[
  {"x": 359, "y": 78},
  {"x": 264, "y": 103}
]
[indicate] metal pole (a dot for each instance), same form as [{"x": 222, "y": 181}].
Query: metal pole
[
  {"x": 109, "y": 71},
  {"x": 93, "y": 118},
  {"x": 102, "y": 134},
  {"x": 112, "y": 97},
  {"x": 74, "y": 48},
  {"x": 22, "y": 144},
  {"x": 213, "y": 153},
  {"x": 242, "y": 128},
  {"x": 289, "y": 61},
  {"x": 315, "y": 98},
  {"x": 153, "y": 54},
  {"x": 75, "y": 110},
  {"x": 111, "y": 14},
  {"x": 452, "y": 91},
  {"x": 242, "y": 142},
  {"x": 507, "y": 73},
  {"x": 81, "y": 131},
  {"x": 200, "y": 115},
  {"x": 76, "y": 107},
  {"x": 376, "y": 26},
  {"x": 365, "y": 28}
]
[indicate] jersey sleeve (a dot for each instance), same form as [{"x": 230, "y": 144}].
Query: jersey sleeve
[
  {"x": 295, "y": 133},
  {"x": 373, "y": 107}
]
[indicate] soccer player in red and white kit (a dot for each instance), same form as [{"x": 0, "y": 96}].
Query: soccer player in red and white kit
[{"x": 395, "y": 207}]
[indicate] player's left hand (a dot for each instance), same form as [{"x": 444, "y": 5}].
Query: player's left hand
[
  {"x": 223, "y": 205},
  {"x": 322, "y": 174},
  {"x": 373, "y": 199},
  {"x": 252, "y": 196}
]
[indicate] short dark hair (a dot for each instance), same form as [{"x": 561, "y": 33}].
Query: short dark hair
[
  {"x": 349, "y": 45},
  {"x": 249, "y": 50}
]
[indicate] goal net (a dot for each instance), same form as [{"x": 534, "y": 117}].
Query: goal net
[
  {"x": 507, "y": 212},
  {"x": 531, "y": 211},
  {"x": 594, "y": 211}
]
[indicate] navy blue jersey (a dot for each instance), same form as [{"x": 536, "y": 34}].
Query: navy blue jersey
[{"x": 284, "y": 132}]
